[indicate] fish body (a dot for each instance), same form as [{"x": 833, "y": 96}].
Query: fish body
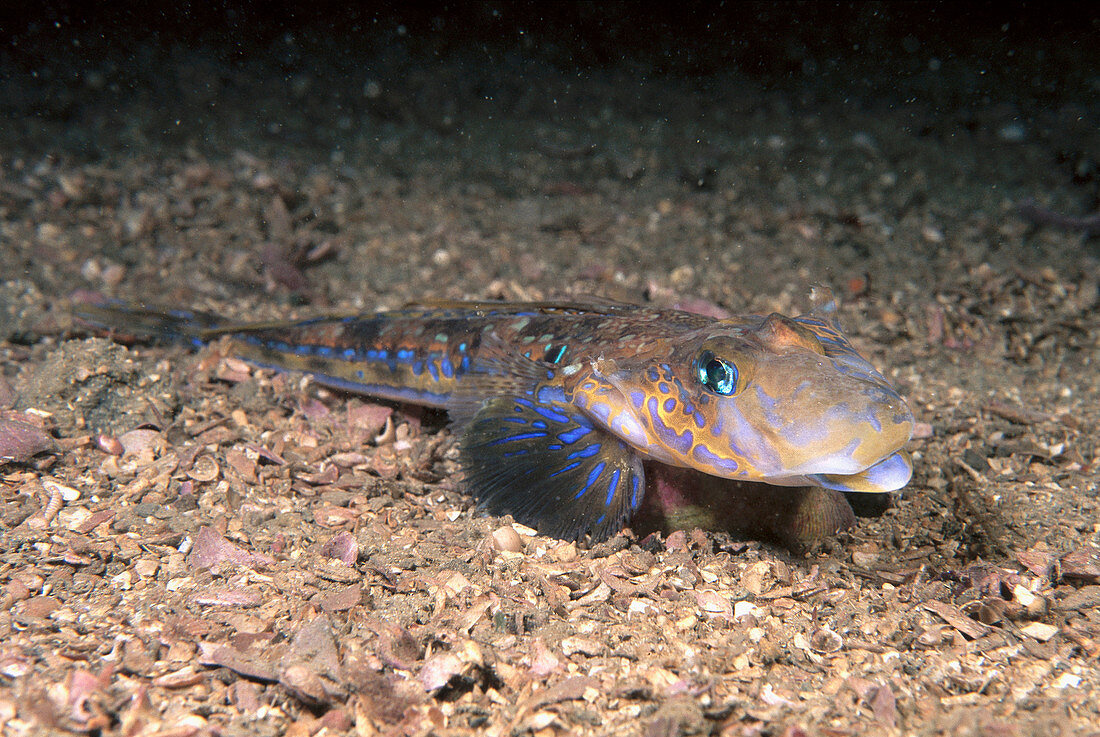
[{"x": 558, "y": 404}]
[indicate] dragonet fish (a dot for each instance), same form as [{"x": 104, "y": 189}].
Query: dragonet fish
[{"x": 561, "y": 405}]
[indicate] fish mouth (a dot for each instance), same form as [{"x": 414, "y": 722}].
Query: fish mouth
[
  {"x": 889, "y": 474},
  {"x": 871, "y": 456}
]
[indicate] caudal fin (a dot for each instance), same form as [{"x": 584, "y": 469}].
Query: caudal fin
[{"x": 134, "y": 322}]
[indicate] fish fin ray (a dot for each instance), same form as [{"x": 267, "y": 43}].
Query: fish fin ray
[
  {"x": 824, "y": 306},
  {"x": 548, "y": 466},
  {"x": 497, "y": 371},
  {"x": 581, "y": 303}
]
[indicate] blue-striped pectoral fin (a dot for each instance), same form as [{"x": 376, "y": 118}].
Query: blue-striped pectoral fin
[
  {"x": 548, "y": 466},
  {"x": 889, "y": 474}
]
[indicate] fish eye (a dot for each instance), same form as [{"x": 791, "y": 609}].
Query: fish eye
[{"x": 716, "y": 374}]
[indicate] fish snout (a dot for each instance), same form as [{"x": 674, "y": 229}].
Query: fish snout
[
  {"x": 846, "y": 433},
  {"x": 878, "y": 426},
  {"x": 895, "y": 421}
]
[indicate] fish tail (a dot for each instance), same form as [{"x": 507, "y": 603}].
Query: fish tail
[{"x": 134, "y": 322}]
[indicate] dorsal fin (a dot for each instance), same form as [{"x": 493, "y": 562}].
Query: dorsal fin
[
  {"x": 824, "y": 306},
  {"x": 584, "y": 303}
]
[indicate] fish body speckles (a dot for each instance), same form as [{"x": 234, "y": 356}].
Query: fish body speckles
[{"x": 560, "y": 403}]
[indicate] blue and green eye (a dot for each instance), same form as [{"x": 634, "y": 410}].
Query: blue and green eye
[{"x": 718, "y": 375}]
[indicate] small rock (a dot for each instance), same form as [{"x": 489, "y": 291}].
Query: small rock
[
  {"x": 745, "y": 609},
  {"x": 136, "y": 441},
  {"x": 583, "y": 645},
  {"x": 22, "y": 436},
  {"x": 438, "y": 670},
  {"x": 507, "y": 540},
  {"x": 1039, "y": 631}
]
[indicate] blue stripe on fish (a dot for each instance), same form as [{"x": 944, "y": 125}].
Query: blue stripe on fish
[
  {"x": 612, "y": 487},
  {"x": 592, "y": 476}
]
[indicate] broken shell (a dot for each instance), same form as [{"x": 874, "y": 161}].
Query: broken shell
[
  {"x": 388, "y": 434},
  {"x": 68, "y": 493},
  {"x": 825, "y": 641},
  {"x": 138, "y": 440},
  {"x": 205, "y": 469}
]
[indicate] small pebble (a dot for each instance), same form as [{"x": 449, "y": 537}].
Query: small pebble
[
  {"x": 507, "y": 540},
  {"x": 1040, "y": 631},
  {"x": 109, "y": 444}
]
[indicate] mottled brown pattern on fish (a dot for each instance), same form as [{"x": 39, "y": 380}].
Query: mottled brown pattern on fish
[{"x": 559, "y": 403}]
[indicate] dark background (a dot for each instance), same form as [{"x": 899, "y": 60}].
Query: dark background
[{"x": 767, "y": 39}]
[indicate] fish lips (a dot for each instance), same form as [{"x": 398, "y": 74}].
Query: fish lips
[{"x": 889, "y": 474}]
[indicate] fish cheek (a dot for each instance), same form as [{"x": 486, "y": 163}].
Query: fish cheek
[
  {"x": 741, "y": 431},
  {"x": 619, "y": 399}
]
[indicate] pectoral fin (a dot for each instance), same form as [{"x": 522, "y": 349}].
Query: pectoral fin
[{"x": 546, "y": 464}]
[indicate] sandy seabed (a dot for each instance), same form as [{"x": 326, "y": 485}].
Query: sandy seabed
[{"x": 189, "y": 545}]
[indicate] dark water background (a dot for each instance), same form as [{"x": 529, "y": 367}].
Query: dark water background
[
  {"x": 84, "y": 64},
  {"x": 968, "y": 108}
]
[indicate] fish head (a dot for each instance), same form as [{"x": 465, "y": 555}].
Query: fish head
[{"x": 775, "y": 399}]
